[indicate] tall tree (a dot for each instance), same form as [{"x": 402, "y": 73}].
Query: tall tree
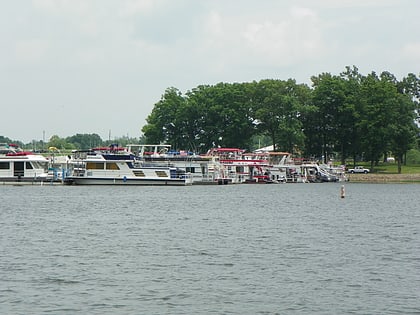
[
  {"x": 162, "y": 125},
  {"x": 329, "y": 98},
  {"x": 278, "y": 109},
  {"x": 403, "y": 129},
  {"x": 410, "y": 85},
  {"x": 349, "y": 133},
  {"x": 378, "y": 97},
  {"x": 223, "y": 116}
]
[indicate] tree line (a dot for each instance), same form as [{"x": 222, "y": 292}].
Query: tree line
[
  {"x": 78, "y": 141},
  {"x": 345, "y": 116}
]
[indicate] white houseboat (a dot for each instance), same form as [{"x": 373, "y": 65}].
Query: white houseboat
[
  {"x": 22, "y": 167},
  {"x": 116, "y": 166},
  {"x": 203, "y": 169},
  {"x": 250, "y": 167}
]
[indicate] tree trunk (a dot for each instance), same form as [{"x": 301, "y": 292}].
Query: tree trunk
[
  {"x": 273, "y": 139},
  {"x": 400, "y": 157}
]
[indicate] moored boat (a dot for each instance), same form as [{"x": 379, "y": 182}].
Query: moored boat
[
  {"x": 108, "y": 166},
  {"x": 22, "y": 167},
  {"x": 203, "y": 169},
  {"x": 248, "y": 168}
]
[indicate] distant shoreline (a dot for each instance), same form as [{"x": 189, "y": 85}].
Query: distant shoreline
[{"x": 384, "y": 178}]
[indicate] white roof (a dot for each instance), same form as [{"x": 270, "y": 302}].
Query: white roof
[{"x": 265, "y": 149}]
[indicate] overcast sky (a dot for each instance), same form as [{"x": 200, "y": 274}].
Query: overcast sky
[{"x": 99, "y": 66}]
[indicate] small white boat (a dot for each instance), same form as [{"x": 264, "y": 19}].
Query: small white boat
[
  {"x": 22, "y": 167},
  {"x": 113, "y": 166}
]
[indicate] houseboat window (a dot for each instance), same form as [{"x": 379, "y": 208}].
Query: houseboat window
[
  {"x": 190, "y": 169},
  {"x": 94, "y": 166},
  {"x": 4, "y": 165},
  {"x": 161, "y": 174},
  {"x": 39, "y": 165},
  {"x": 112, "y": 166},
  {"x": 136, "y": 164},
  {"x": 139, "y": 173},
  {"x": 29, "y": 166}
]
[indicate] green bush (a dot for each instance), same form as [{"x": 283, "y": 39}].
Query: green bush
[{"x": 413, "y": 156}]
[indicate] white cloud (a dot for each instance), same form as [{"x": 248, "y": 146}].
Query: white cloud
[
  {"x": 90, "y": 28},
  {"x": 280, "y": 38},
  {"x": 302, "y": 13},
  {"x": 288, "y": 39},
  {"x": 64, "y": 7},
  {"x": 133, "y": 7},
  {"x": 412, "y": 52},
  {"x": 31, "y": 51},
  {"x": 91, "y": 54},
  {"x": 213, "y": 25},
  {"x": 345, "y": 4}
]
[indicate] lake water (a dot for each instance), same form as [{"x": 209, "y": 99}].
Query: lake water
[{"x": 234, "y": 249}]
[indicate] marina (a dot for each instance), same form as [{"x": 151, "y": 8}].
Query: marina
[
  {"x": 236, "y": 166},
  {"x": 210, "y": 157},
  {"x": 160, "y": 165}
]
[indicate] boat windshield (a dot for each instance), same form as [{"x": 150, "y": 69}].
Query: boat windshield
[{"x": 40, "y": 165}]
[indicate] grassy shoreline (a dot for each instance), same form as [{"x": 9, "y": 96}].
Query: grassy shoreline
[{"x": 384, "y": 178}]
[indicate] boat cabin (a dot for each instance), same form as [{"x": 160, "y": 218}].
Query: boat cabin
[{"x": 23, "y": 166}]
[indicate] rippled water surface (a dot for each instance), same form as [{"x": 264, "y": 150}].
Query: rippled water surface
[{"x": 235, "y": 249}]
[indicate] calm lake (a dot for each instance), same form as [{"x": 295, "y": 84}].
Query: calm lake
[{"x": 234, "y": 249}]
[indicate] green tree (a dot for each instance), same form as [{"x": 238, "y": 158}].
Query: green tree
[
  {"x": 56, "y": 142},
  {"x": 410, "y": 85},
  {"x": 350, "y": 135},
  {"x": 205, "y": 117},
  {"x": 278, "y": 111},
  {"x": 332, "y": 127},
  {"x": 403, "y": 99},
  {"x": 4, "y": 139},
  {"x": 162, "y": 125},
  {"x": 225, "y": 117},
  {"x": 378, "y": 114},
  {"x": 402, "y": 130},
  {"x": 329, "y": 96},
  {"x": 84, "y": 141}
]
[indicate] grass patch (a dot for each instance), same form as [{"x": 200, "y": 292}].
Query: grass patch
[
  {"x": 388, "y": 168},
  {"x": 392, "y": 168}
]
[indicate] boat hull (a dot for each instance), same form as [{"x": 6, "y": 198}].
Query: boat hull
[
  {"x": 28, "y": 181},
  {"x": 126, "y": 181}
]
